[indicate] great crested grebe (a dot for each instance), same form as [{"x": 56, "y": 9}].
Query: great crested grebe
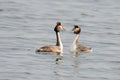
[
  {"x": 78, "y": 48},
  {"x": 58, "y": 48}
]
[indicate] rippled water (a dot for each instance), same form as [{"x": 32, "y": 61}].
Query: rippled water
[{"x": 28, "y": 24}]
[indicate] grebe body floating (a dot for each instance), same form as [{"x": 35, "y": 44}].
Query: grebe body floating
[
  {"x": 75, "y": 46},
  {"x": 58, "y": 48}
]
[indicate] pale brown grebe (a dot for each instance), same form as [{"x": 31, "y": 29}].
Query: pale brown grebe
[
  {"x": 58, "y": 48},
  {"x": 78, "y": 48}
]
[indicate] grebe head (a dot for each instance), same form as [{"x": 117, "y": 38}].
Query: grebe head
[
  {"x": 58, "y": 27},
  {"x": 76, "y": 29}
]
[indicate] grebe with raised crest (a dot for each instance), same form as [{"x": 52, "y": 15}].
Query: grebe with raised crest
[
  {"x": 58, "y": 48},
  {"x": 75, "y": 47}
]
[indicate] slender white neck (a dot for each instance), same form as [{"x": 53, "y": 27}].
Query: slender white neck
[
  {"x": 75, "y": 42},
  {"x": 59, "y": 41}
]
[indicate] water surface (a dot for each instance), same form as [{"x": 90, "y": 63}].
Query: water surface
[{"x": 26, "y": 25}]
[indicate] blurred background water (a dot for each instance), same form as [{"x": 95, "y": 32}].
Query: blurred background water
[{"x": 28, "y": 24}]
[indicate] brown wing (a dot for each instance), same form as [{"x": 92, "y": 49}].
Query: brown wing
[
  {"x": 49, "y": 49},
  {"x": 83, "y": 48}
]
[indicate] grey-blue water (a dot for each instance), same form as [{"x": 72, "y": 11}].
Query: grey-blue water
[{"x": 28, "y": 24}]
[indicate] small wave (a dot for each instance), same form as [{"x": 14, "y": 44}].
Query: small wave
[{"x": 1, "y": 10}]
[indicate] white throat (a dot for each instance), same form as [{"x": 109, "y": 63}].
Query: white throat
[
  {"x": 59, "y": 42},
  {"x": 75, "y": 42}
]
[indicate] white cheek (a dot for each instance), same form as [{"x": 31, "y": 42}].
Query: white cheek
[{"x": 61, "y": 28}]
